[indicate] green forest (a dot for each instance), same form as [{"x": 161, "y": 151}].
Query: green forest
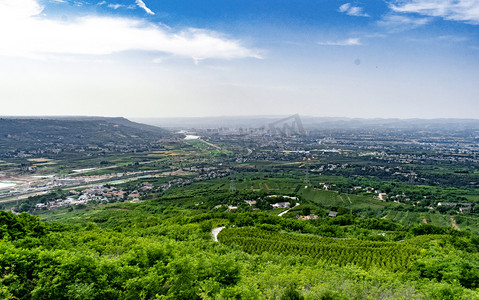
[{"x": 163, "y": 249}]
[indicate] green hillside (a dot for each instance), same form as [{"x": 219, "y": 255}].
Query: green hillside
[
  {"x": 162, "y": 249},
  {"x": 67, "y": 134}
]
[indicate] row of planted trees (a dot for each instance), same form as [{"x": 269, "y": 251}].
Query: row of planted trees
[{"x": 393, "y": 256}]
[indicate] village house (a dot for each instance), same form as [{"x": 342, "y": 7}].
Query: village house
[
  {"x": 310, "y": 217},
  {"x": 147, "y": 186},
  {"x": 134, "y": 194},
  {"x": 332, "y": 214},
  {"x": 382, "y": 196}
]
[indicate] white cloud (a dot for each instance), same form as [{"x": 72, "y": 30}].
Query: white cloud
[
  {"x": 352, "y": 10},
  {"x": 115, "y": 6},
  {"x": 21, "y": 9},
  {"x": 25, "y": 33},
  {"x": 142, "y": 4},
  {"x": 456, "y": 10},
  {"x": 158, "y": 60},
  {"x": 400, "y": 22},
  {"x": 344, "y": 7},
  {"x": 347, "y": 42}
]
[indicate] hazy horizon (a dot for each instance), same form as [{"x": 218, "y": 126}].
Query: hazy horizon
[{"x": 272, "y": 116}]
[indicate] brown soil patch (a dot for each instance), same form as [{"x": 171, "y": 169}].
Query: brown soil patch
[
  {"x": 453, "y": 223},
  {"x": 39, "y": 160},
  {"x": 117, "y": 208}
]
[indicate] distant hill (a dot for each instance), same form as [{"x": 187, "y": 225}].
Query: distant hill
[
  {"x": 27, "y": 133},
  {"x": 312, "y": 123}
]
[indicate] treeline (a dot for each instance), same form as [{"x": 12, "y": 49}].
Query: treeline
[
  {"x": 14, "y": 227},
  {"x": 129, "y": 253},
  {"x": 341, "y": 226},
  {"x": 455, "y": 174}
]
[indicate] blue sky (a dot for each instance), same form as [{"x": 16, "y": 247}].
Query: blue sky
[{"x": 141, "y": 58}]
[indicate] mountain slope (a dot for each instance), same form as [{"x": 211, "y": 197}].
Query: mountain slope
[{"x": 24, "y": 134}]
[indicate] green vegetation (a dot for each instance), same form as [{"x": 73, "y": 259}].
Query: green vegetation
[
  {"x": 392, "y": 256},
  {"x": 163, "y": 248},
  {"x": 351, "y": 229}
]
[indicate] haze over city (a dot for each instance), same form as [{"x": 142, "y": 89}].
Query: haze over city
[{"x": 371, "y": 59}]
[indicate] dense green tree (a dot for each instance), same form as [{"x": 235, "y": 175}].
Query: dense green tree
[{"x": 291, "y": 293}]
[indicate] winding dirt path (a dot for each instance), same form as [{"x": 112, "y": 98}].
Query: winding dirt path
[
  {"x": 215, "y": 231},
  {"x": 453, "y": 223},
  {"x": 284, "y": 212}
]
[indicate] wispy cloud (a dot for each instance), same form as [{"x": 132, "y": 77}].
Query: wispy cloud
[
  {"x": 350, "y": 10},
  {"x": 347, "y": 42},
  {"x": 453, "y": 38},
  {"x": 24, "y": 32},
  {"x": 456, "y": 10},
  {"x": 117, "y": 6},
  {"x": 401, "y": 22},
  {"x": 142, "y": 4}
]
